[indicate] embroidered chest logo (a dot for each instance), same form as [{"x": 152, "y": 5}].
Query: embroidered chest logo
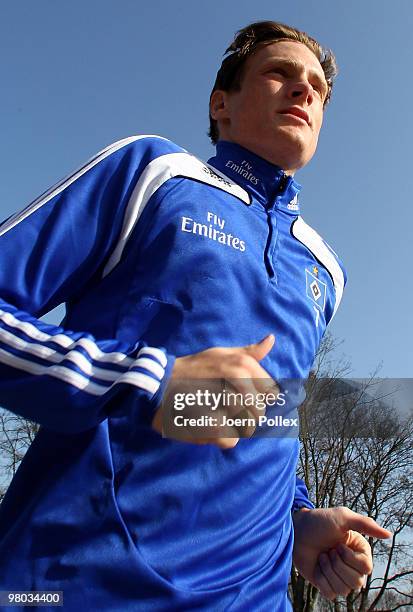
[
  {"x": 213, "y": 229},
  {"x": 316, "y": 291}
]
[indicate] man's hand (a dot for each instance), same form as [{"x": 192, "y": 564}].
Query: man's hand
[
  {"x": 238, "y": 366},
  {"x": 329, "y": 550}
]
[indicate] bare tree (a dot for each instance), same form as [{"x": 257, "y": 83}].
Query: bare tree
[
  {"x": 16, "y": 435},
  {"x": 357, "y": 451}
]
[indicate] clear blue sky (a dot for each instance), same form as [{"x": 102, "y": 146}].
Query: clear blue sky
[{"x": 78, "y": 75}]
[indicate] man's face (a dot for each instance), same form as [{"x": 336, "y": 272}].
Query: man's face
[{"x": 278, "y": 111}]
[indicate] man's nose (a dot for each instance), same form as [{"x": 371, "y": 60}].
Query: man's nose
[{"x": 301, "y": 90}]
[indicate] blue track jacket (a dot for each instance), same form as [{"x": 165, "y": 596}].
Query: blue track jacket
[{"x": 156, "y": 255}]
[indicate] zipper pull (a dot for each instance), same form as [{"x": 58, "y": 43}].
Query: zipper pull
[
  {"x": 283, "y": 183},
  {"x": 279, "y": 190}
]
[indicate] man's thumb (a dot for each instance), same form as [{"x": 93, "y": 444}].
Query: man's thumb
[{"x": 260, "y": 349}]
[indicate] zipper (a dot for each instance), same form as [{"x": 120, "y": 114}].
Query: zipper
[
  {"x": 282, "y": 184},
  {"x": 270, "y": 257},
  {"x": 271, "y": 245}
]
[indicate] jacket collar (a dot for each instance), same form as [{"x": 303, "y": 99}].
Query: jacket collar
[{"x": 267, "y": 182}]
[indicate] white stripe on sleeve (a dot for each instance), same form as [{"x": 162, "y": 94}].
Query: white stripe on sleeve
[{"x": 84, "y": 379}]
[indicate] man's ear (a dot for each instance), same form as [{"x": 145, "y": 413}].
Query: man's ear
[{"x": 218, "y": 105}]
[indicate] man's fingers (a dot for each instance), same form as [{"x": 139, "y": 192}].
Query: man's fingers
[
  {"x": 365, "y": 525},
  {"x": 322, "y": 584},
  {"x": 359, "y": 561},
  {"x": 223, "y": 443},
  {"x": 335, "y": 581},
  {"x": 350, "y": 576},
  {"x": 260, "y": 349},
  {"x": 244, "y": 363},
  {"x": 245, "y": 386},
  {"x": 249, "y": 395}
]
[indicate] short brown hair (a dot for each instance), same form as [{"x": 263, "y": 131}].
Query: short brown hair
[{"x": 247, "y": 41}]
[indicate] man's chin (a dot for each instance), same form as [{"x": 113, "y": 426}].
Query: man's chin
[
  {"x": 287, "y": 148},
  {"x": 293, "y": 148}
]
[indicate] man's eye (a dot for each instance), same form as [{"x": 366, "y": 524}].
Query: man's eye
[
  {"x": 319, "y": 89},
  {"x": 280, "y": 71}
]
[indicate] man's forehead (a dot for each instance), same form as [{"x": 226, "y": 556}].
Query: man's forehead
[{"x": 286, "y": 49}]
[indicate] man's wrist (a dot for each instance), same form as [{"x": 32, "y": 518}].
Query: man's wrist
[
  {"x": 297, "y": 514},
  {"x": 297, "y": 511}
]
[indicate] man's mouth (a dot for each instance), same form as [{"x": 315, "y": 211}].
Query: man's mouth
[{"x": 295, "y": 111}]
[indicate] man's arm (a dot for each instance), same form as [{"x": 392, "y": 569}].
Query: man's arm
[{"x": 49, "y": 253}]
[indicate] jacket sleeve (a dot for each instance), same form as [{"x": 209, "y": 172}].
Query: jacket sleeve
[
  {"x": 68, "y": 380},
  {"x": 301, "y": 499}
]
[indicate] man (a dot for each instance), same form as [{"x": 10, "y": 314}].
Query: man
[{"x": 151, "y": 248}]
